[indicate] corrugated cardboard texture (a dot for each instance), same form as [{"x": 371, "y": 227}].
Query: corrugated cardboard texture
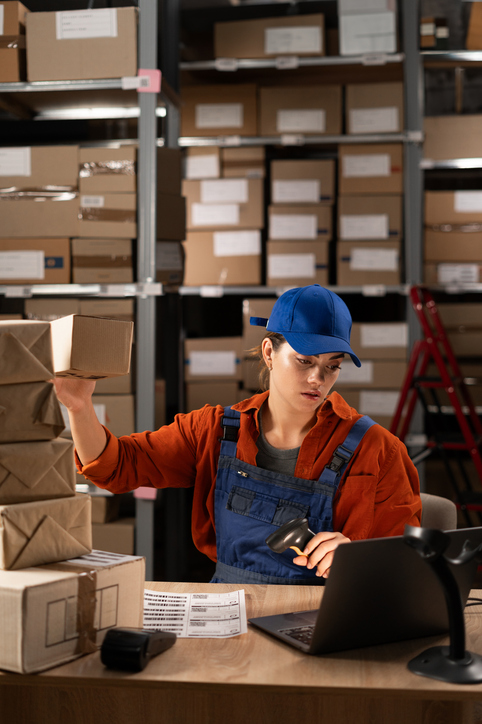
[
  {"x": 251, "y": 213},
  {"x": 117, "y": 537},
  {"x": 390, "y": 206},
  {"x": 36, "y": 471},
  {"x": 374, "y": 96},
  {"x": 50, "y": 166},
  {"x": 319, "y": 97},
  {"x": 297, "y": 263},
  {"x": 440, "y": 208},
  {"x": 351, "y": 184},
  {"x": 107, "y": 170},
  {"x": 13, "y": 59},
  {"x": 115, "y": 218},
  {"x": 453, "y": 246},
  {"x": 202, "y": 267},
  {"x": 44, "y": 531},
  {"x": 25, "y": 352},
  {"x": 244, "y": 94},
  {"x": 324, "y": 219},
  {"x": 449, "y": 137},
  {"x": 29, "y": 411},
  {"x": 23, "y": 217},
  {"x": 313, "y": 170},
  {"x": 347, "y": 275}
]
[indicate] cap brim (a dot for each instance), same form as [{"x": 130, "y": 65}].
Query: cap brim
[{"x": 311, "y": 344}]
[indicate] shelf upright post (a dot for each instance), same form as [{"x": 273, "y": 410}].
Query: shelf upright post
[{"x": 146, "y": 266}]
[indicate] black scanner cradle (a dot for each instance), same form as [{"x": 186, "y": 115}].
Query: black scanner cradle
[{"x": 130, "y": 649}]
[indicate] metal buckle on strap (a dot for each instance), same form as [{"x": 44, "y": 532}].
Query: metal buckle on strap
[{"x": 338, "y": 459}]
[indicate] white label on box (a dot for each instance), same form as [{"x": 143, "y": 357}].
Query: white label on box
[
  {"x": 374, "y": 259},
  {"x": 467, "y": 201},
  {"x": 1, "y": 19},
  {"x": 22, "y": 265},
  {"x": 215, "y": 214},
  {"x": 349, "y": 7},
  {"x": 202, "y": 166},
  {"x": 294, "y": 192},
  {"x": 219, "y": 115},
  {"x": 99, "y": 23},
  {"x": 427, "y": 28},
  {"x": 302, "y": 120},
  {"x": 291, "y": 266},
  {"x": 364, "y": 226},
  {"x": 370, "y": 165},
  {"x": 212, "y": 363},
  {"x": 460, "y": 273},
  {"x": 237, "y": 243},
  {"x": 374, "y": 120},
  {"x": 378, "y": 402},
  {"x": 168, "y": 255},
  {"x": 225, "y": 191},
  {"x": 299, "y": 39},
  {"x": 16, "y": 161},
  {"x": 293, "y": 226},
  {"x": 384, "y": 335},
  {"x": 360, "y": 375},
  {"x": 370, "y": 33},
  {"x": 89, "y": 202}
]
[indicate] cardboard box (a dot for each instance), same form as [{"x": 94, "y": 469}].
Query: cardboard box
[
  {"x": 374, "y": 108},
  {"x": 201, "y": 162},
  {"x": 219, "y": 110},
  {"x": 268, "y": 37},
  {"x": 251, "y": 376},
  {"x": 60, "y": 612},
  {"x": 223, "y": 258},
  {"x": 297, "y": 263},
  {"x": 116, "y": 412},
  {"x": 12, "y": 46},
  {"x": 82, "y": 44},
  {"x": 370, "y": 218},
  {"x": 31, "y": 411},
  {"x": 171, "y": 217},
  {"x": 306, "y": 110},
  {"x": 383, "y": 374},
  {"x": 107, "y": 170},
  {"x": 449, "y": 137},
  {"x": 217, "y": 358},
  {"x": 243, "y": 162},
  {"x": 466, "y": 342},
  {"x": 56, "y": 216},
  {"x": 91, "y": 347},
  {"x": 169, "y": 170},
  {"x": 170, "y": 262},
  {"x": 199, "y": 394},
  {"x": 48, "y": 308},
  {"x": 36, "y": 471},
  {"x": 254, "y": 307},
  {"x": 35, "y": 261},
  {"x": 25, "y": 352},
  {"x": 300, "y": 222},
  {"x": 467, "y": 315},
  {"x": 452, "y": 207},
  {"x": 368, "y": 262},
  {"x": 303, "y": 182},
  {"x": 108, "y": 216},
  {"x": 224, "y": 204},
  {"x": 102, "y": 261},
  {"x": 116, "y": 537},
  {"x": 380, "y": 340},
  {"x": 33, "y": 168},
  {"x": 105, "y": 507},
  {"x": 452, "y": 273},
  {"x": 122, "y": 385},
  {"x": 44, "y": 531},
  {"x": 370, "y": 169},
  {"x": 473, "y": 40},
  {"x": 380, "y": 405},
  {"x": 367, "y": 28},
  {"x": 453, "y": 246},
  {"x": 117, "y": 308}
]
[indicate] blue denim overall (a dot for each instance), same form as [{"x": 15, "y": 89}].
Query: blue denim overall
[{"x": 251, "y": 503}]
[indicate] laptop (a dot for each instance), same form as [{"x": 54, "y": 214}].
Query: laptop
[{"x": 379, "y": 591}]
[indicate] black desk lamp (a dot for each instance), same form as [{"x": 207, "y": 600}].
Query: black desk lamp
[{"x": 446, "y": 663}]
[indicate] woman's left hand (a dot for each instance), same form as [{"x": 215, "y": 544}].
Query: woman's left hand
[{"x": 319, "y": 552}]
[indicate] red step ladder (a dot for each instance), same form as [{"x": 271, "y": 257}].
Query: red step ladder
[{"x": 434, "y": 353}]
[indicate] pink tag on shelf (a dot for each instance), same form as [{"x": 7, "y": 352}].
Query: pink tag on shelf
[
  {"x": 154, "y": 77},
  {"x": 145, "y": 493}
]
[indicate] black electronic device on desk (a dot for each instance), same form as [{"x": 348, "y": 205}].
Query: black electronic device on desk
[{"x": 130, "y": 649}]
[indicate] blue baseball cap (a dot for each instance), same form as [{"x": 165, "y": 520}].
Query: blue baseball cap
[{"x": 313, "y": 320}]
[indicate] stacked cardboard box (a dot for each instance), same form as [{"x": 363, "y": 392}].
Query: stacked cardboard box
[
  {"x": 367, "y": 27},
  {"x": 212, "y": 371},
  {"x": 220, "y": 110},
  {"x": 300, "y": 110},
  {"x": 171, "y": 218},
  {"x": 374, "y": 108},
  {"x": 370, "y": 214},
  {"x": 300, "y": 222},
  {"x": 12, "y": 41},
  {"x": 252, "y": 337}
]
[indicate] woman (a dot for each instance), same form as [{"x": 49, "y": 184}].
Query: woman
[{"x": 296, "y": 450}]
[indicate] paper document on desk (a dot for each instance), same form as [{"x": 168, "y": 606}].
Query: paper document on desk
[{"x": 196, "y": 615}]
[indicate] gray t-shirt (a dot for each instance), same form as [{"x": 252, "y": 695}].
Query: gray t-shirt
[{"x": 270, "y": 458}]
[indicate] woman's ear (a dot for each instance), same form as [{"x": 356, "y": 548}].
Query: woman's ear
[{"x": 267, "y": 350}]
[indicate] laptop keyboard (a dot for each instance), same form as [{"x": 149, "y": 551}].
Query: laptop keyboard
[{"x": 304, "y": 634}]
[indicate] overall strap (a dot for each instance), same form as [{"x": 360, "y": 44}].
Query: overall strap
[
  {"x": 333, "y": 472},
  {"x": 230, "y": 423}
]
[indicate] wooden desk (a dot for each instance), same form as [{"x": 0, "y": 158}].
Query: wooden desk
[{"x": 250, "y": 678}]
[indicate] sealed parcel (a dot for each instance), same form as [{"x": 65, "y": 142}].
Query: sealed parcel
[
  {"x": 29, "y": 411},
  {"x": 25, "y": 351}
]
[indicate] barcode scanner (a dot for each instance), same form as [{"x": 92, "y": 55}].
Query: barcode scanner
[
  {"x": 130, "y": 649},
  {"x": 294, "y": 534}
]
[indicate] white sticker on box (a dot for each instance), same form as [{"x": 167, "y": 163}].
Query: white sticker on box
[
  {"x": 467, "y": 201},
  {"x": 16, "y": 161},
  {"x": 301, "y": 120},
  {"x": 298, "y": 39},
  {"x": 74, "y": 24},
  {"x": 384, "y": 335},
  {"x": 89, "y": 202},
  {"x": 237, "y": 243},
  {"x": 225, "y": 191},
  {"x": 198, "y": 167},
  {"x": 215, "y": 214},
  {"x": 351, "y": 374},
  {"x": 364, "y": 226},
  {"x": 22, "y": 265},
  {"x": 168, "y": 255},
  {"x": 369, "y": 165},
  {"x": 293, "y": 226},
  {"x": 374, "y": 120},
  {"x": 1, "y": 19},
  {"x": 368, "y": 33},
  {"x": 294, "y": 192},
  {"x": 378, "y": 402},
  {"x": 348, "y": 7},
  {"x": 219, "y": 115},
  {"x": 459, "y": 273},
  {"x": 374, "y": 259},
  {"x": 291, "y": 266},
  {"x": 204, "y": 363}
]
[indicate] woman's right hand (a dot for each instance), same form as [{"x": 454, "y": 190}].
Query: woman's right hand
[{"x": 73, "y": 392}]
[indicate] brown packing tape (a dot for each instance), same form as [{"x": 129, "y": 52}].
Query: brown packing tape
[
  {"x": 101, "y": 262},
  {"x": 12, "y": 41},
  {"x": 35, "y": 195},
  {"x": 99, "y": 168},
  {"x": 469, "y": 228},
  {"x": 86, "y": 643},
  {"x": 95, "y": 214}
]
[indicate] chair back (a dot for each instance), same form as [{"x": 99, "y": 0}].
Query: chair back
[{"x": 438, "y": 512}]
